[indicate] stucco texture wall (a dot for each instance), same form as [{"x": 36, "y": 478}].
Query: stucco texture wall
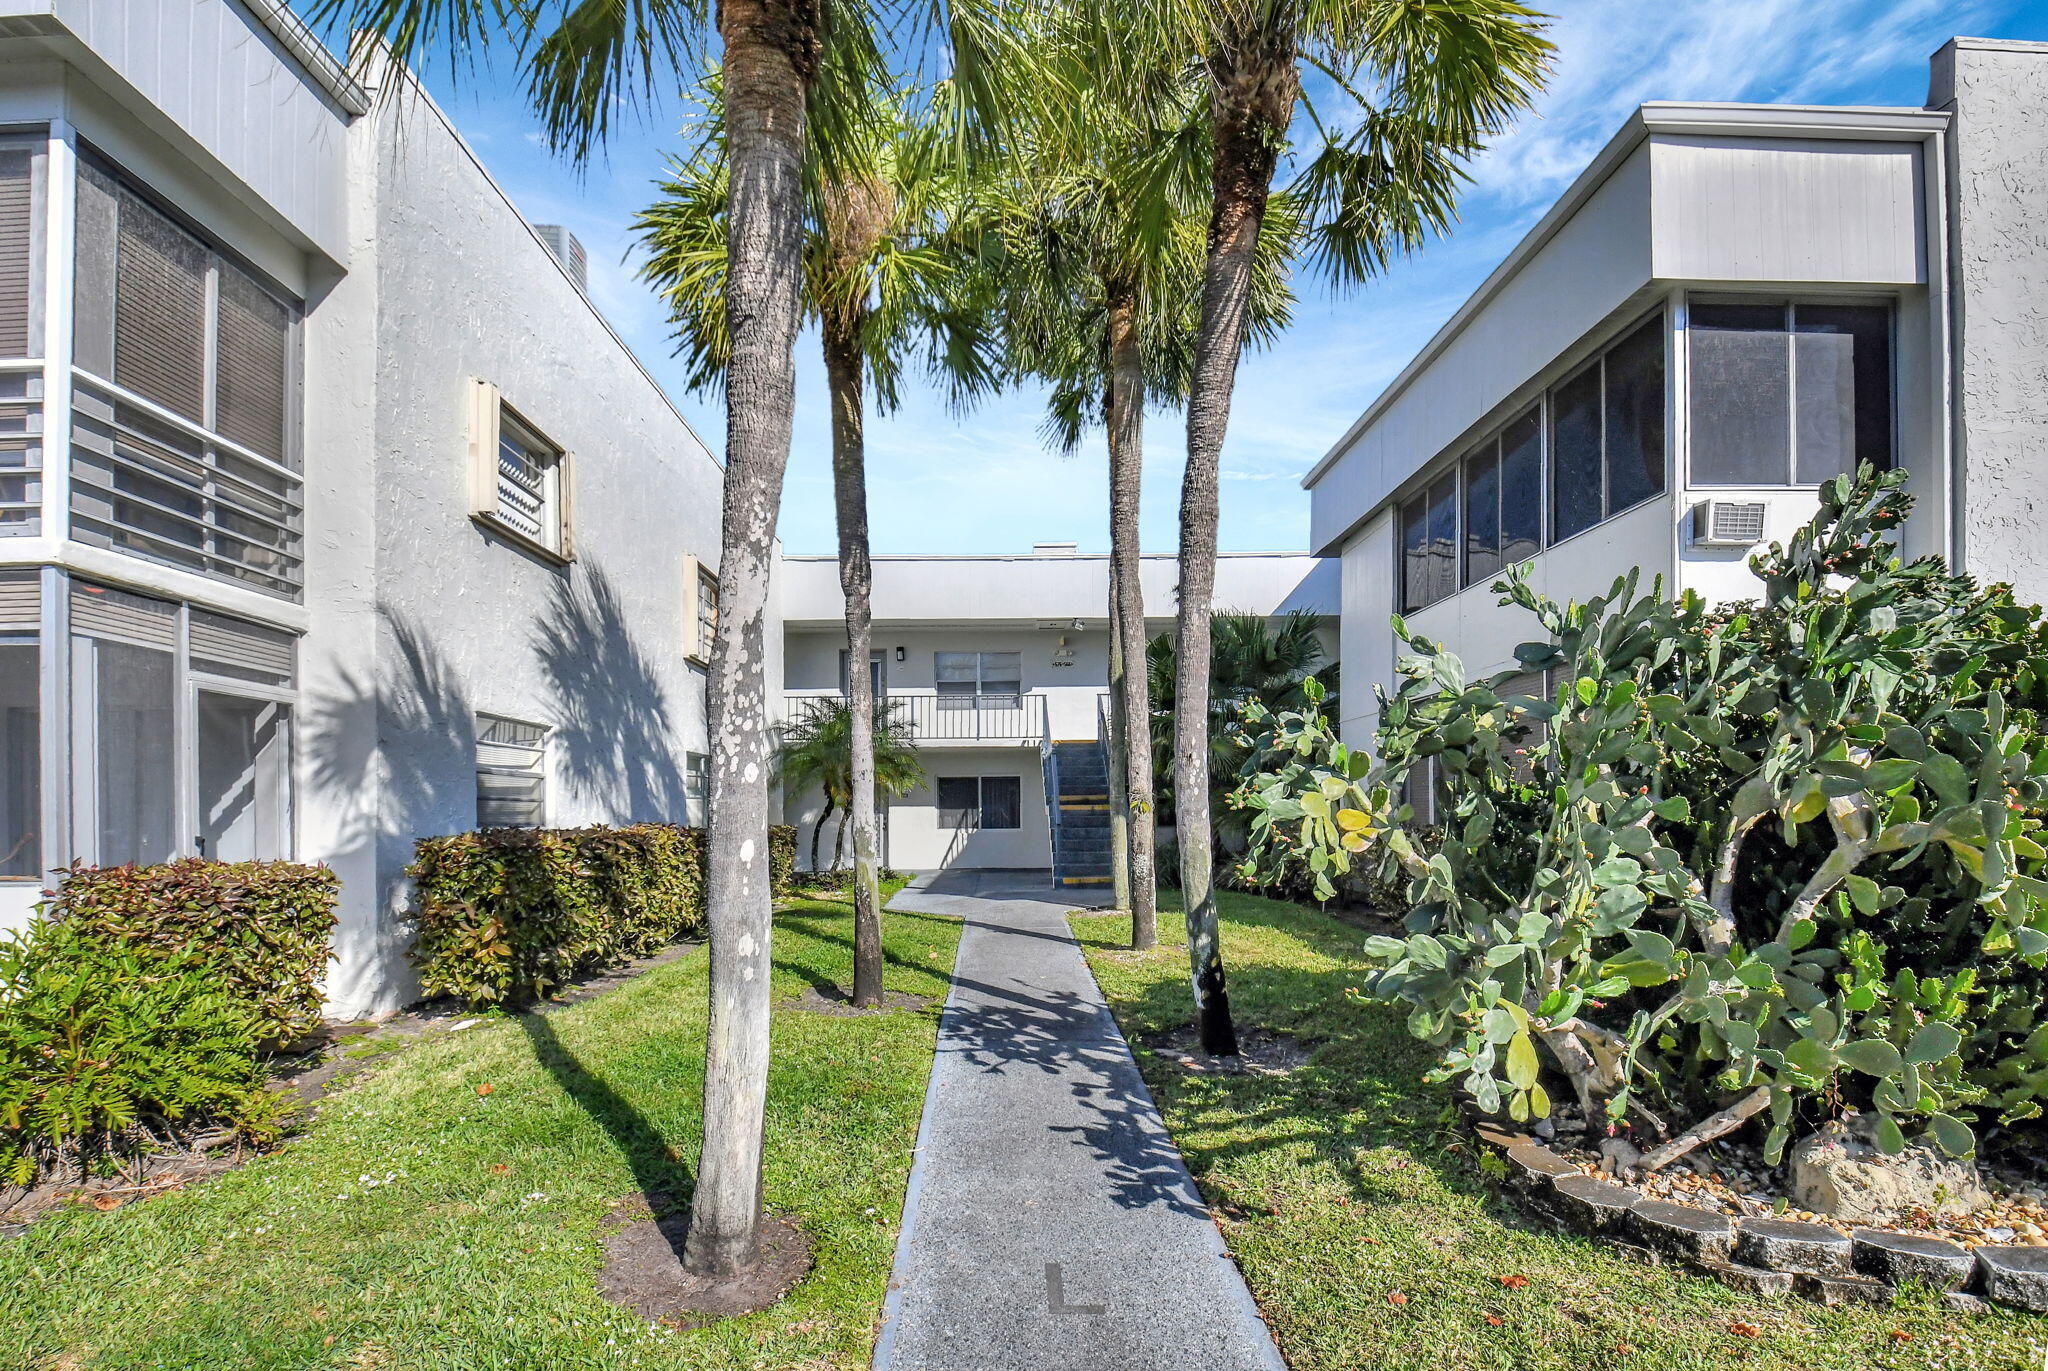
[
  {"x": 463, "y": 621},
  {"x": 1998, "y": 93}
]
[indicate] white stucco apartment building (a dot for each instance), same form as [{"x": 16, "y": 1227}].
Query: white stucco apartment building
[
  {"x": 1000, "y": 667},
  {"x": 332, "y": 513},
  {"x": 1731, "y": 304}
]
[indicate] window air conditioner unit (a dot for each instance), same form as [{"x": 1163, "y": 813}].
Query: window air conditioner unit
[{"x": 1728, "y": 523}]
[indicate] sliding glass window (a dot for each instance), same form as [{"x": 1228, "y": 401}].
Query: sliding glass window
[
  {"x": 1788, "y": 393},
  {"x": 1607, "y": 433}
]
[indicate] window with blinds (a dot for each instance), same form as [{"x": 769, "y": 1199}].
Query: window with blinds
[
  {"x": 511, "y": 773},
  {"x": 184, "y": 435},
  {"x": 519, "y": 481},
  {"x": 21, "y": 454},
  {"x": 19, "y": 315}
]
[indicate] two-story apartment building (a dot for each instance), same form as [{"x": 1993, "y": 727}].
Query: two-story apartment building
[
  {"x": 999, "y": 668},
  {"x": 332, "y": 513},
  {"x": 1732, "y": 304}
]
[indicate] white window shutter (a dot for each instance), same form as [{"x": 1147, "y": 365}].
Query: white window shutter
[
  {"x": 694, "y": 647},
  {"x": 485, "y": 405}
]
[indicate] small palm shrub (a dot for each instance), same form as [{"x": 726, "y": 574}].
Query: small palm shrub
[
  {"x": 1773, "y": 860},
  {"x": 263, "y": 927},
  {"x": 508, "y": 915},
  {"x": 106, "y": 1050}
]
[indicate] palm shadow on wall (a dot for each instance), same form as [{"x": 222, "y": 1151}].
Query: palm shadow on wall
[{"x": 610, "y": 712}]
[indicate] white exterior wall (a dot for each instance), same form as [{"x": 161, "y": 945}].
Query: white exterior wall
[
  {"x": 1778, "y": 202},
  {"x": 1998, "y": 94},
  {"x": 465, "y": 622},
  {"x": 811, "y": 665}
]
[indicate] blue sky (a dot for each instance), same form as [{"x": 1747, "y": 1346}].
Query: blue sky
[{"x": 985, "y": 483}]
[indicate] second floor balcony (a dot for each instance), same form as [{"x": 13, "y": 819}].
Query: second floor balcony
[{"x": 1002, "y": 720}]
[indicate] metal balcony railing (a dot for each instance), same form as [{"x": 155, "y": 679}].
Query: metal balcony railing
[{"x": 953, "y": 718}]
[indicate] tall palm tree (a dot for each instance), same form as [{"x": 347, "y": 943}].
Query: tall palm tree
[
  {"x": 1428, "y": 82},
  {"x": 1098, "y": 251},
  {"x": 876, "y": 279},
  {"x": 817, "y": 752},
  {"x": 584, "y": 60}
]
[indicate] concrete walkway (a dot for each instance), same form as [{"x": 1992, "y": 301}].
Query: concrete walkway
[{"x": 1050, "y": 1223}]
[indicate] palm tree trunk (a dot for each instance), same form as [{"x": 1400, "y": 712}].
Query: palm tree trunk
[
  {"x": 1252, "y": 90},
  {"x": 843, "y": 374},
  {"x": 1127, "y": 661},
  {"x": 1119, "y": 740},
  {"x": 818, "y": 829},
  {"x": 770, "y": 58}
]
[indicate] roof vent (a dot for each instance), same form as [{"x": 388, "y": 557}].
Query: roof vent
[
  {"x": 1054, "y": 549},
  {"x": 1728, "y": 523},
  {"x": 568, "y": 250}
]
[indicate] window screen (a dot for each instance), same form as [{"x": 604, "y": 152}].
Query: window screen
[
  {"x": 21, "y": 766},
  {"x": 17, "y": 252},
  {"x": 159, "y": 311},
  {"x": 959, "y": 801},
  {"x": 1443, "y": 535},
  {"x": 1788, "y": 393},
  {"x": 1415, "y": 554},
  {"x": 511, "y": 776},
  {"x": 1521, "y": 488},
  {"x": 990, "y": 679},
  {"x": 254, "y": 364},
  {"x": 1575, "y": 464},
  {"x": 1634, "y": 429},
  {"x": 1002, "y": 801},
  {"x": 1482, "y": 514}
]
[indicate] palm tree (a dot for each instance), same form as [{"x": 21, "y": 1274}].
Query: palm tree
[
  {"x": 817, "y": 752},
  {"x": 1428, "y": 81},
  {"x": 876, "y": 277},
  {"x": 1098, "y": 251},
  {"x": 584, "y": 60},
  {"x": 1253, "y": 658}
]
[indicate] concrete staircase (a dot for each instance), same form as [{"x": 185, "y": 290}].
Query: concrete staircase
[{"x": 1081, "y": 814}]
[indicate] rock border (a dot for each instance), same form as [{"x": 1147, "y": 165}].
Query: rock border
[{"x": 1762, "y": 1256}]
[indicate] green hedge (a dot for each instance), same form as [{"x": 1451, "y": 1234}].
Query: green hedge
[
  {"x": 107, "y": 1048},
  {"x": 263, "y": 927},
  {"x": 507, "y": 915}
]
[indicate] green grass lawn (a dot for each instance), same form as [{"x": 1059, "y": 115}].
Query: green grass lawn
[
  {"x": 1369, "y": 1235},
  {"x": 418, "y": 1226}
]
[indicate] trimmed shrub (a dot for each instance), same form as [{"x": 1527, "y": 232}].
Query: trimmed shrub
[
  {"x": 507, "y": 915},
  {"x": 105, "y": 1048},
  {"x": 262, "y": 927}
]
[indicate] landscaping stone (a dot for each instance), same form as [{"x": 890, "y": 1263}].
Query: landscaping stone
[
  {"x": 1749, "y": 1280},
  {"x": 1635, "y": 1252},
  {"x": 1783, "y": 1245},
  {"x": 2016, "y": 1275},
  {"x": 1902, "y": 1257},
  {"x": 1592, "y": 1205},
  {"x": 1840, "y": 1171},
  {"x": 1678, "y": 1230},
  {"x": 1832, "y": 1290},
  {"x": 1497, "y": 1135},
  {"x": 1961, "y": 1302},
  {"x": 1539, "y": 1165}
]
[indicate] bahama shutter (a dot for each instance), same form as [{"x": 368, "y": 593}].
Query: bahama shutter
[
  {"x": 101, "y": 612},
  {"x": 21, "y": 602},
  {"x": 160, "y": 311},
  {"x": 223, "y": 646},
  {"x": 251, "y": 361},
  {"x": 17, "y": 251}
]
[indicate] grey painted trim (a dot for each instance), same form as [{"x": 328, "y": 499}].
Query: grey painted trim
[{"x": 1752, "y": 121}]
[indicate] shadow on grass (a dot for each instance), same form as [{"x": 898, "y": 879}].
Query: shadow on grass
[{"x": 655, "y": 1170}]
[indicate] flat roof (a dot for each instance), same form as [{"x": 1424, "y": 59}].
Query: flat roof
[{"x": 1751, "y": 120}]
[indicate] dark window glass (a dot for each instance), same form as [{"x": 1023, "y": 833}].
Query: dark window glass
[
  {"x": 1482, "y": 515},
  {"x": 1741, "y": 401},
  {"x": 21, "y": 803},
  {"x": 1635, "y": 417},
  {"x": 1740, "y": 318},
  {"x": 1443, "y": 536},
  {"x": 1002, "y": 801},
  {"x": 1844, "y": 388},
  {"x": 1414, "y": 553},
  {"x": 959, "y": 801},
  {"x": 1575, "y": 454},
  {"x": 1521, "y": 488}
]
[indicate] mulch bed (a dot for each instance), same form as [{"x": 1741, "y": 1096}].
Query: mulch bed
[
  {"x": 1261, "y": 1052},
  {"x": 643, "y": 1266},
  {"x": 833, "y": 1002}
]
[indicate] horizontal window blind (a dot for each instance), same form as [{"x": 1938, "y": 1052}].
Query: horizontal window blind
[
  {"x": 511, "y": 779},
  {"x": 21, "y": 601},
  {"x": 235, "y": 647},
  {"x": 160, "y": 311},
  {"x": 253, "y": 359},
  {"x": 101, "y": 612},
  {"x": 17, "y": 251}
]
